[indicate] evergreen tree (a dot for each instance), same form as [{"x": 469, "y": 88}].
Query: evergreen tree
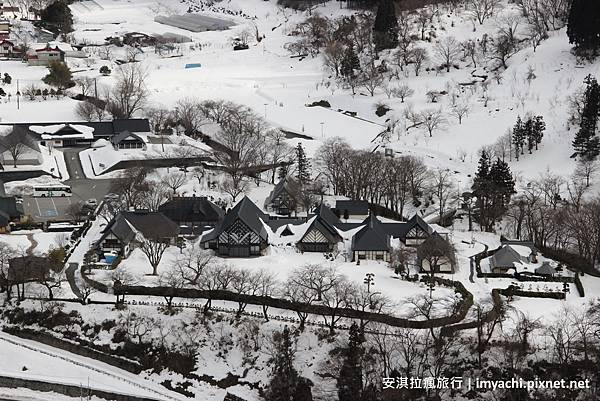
[
  {"x": 303, "y": 390},
  {"x": 59, "y": 75},
  {"x": 303, "y": 166},
  {"x": 57, "y": 17},
  {"x": 583, "y": 26},
  {"x": 518, "y": 137},
  {"x": 528, "y": 131},
  {"x": 385, "y": 28},
  {"x": 285, "y": 381},
  {"x": 502, "y": 186},
  {"x": 350, "y": 64},
  {"x": 350, "y": 379},
  {"x": 539, "y": 126},
  {"x": 585, "y": 144},
  {"x": 282, "y": 172},
  {"x": 482, "y": 188}
]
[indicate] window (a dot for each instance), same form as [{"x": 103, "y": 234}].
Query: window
[{"x": 255, "y": 250}]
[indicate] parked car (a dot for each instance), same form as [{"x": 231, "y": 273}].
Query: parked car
[{"x": 91, "y": 202}]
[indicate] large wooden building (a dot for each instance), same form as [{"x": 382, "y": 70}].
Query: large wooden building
[
  {"x": 282, "y": 200},
  {"x": 322, "y": 234},
  {"x": 242, "y": 232}
]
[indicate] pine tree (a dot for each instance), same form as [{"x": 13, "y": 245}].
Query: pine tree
[
  {"x": 385, "y": 28},
  {"x": 583, "y": 26},
  {"x": 350, "y": 64},
  {"x": 529, "y": 135},
  {"x": 518, "y": 137},
  {"x": 303, "y": 166},
  {"x": 482, "y": 188},
  {"x": 502, "y": 187},
  {"x": 539, "y": 126},
  {"x": 350, "y": 379},
  {"x": 57, "y": 17},
  {"x": 584, "y": 142},
  {"x": 285, "y": 378}
]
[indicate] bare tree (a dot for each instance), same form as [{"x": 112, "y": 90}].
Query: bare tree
[
  {"x": 188, "y": 113},
  {"x": 433, "y": 120},
  {"x": 174, "y": 181},
  {"x": 333, "y": 53},
  {"x": 155, "y": 196},
  {"x": 52, "y": 280},
  {"x": 419, "y": 56},
  {"x": 91, "y": 110},
  {"x": 504, "y": 48},
  {"x": 192, "y": 262},
  {"x": 234, "y": 188},
  {"x": 443, "y": 187},
  {"x": 85, "y": 289},
  {"x": 481, "y": 10},
  {"x": 586, "y": 169},
  {"x": 154, "y": 249},
  {"x": 129, "y": 95},
  {"x": 336, "y": 298},
  {"x": 137, "y": 327},
  {"x": 172, "y": 280},
  {"x": 460, "y": 110},
  {"x": 402, "y": 91},
  {"x": 15, "y": 145},
  {"x": 447, "y": 51},
  {"x": 424, "y": 18},
  {"x": 371, "y": 77},
  {"x": 86, "y": 84}
]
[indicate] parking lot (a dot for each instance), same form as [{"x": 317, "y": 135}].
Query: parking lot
[{"x": 47, "y": 209}]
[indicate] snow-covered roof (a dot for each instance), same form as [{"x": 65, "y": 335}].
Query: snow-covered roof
[
  {"x": 100, "y": 143},
  {"x": 52, "y": 131},
  {"x": 522, "y": 250}
]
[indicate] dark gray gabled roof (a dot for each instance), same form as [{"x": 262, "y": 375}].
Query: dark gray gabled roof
[
  {"x": 372, "y": 237},
  {"x": 505, "y": 257},
  {"x": 120, "y": 137},
  {"x": 18, "y": 135},
  {"x": 248, "y": 213},
  {"x": 329, "y": 231},
  {"x": 101, "y": 128},
  {"x": 546, "y": 269},
  {"x": 327, "y": 215},
  {"x": 192, "y": 209},
  {"x": 356, "y": 207},
  {"x": 417, "y": 221},
  {"x": 152, "y": 225},
  {"x": 284, "y": 185}
]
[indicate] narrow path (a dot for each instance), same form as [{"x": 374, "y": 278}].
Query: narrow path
[
  {"x": 70, "y": 273},
  {"x": 32, "y": 244}
]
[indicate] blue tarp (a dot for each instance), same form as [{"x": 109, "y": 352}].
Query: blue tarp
[{"x": 193, "y": 65}]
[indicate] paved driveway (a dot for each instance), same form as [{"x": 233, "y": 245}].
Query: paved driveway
[{"x": 54, "y": 209}]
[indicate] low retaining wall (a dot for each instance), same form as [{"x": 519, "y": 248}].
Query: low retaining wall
[
  {"x": 222, "y": 295},
  {"x": 75, "y": 348},
  {"x": 66, "y": 389}
]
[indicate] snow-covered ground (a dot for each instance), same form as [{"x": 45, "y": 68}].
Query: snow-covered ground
[{"x": 40, "y": 362}]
